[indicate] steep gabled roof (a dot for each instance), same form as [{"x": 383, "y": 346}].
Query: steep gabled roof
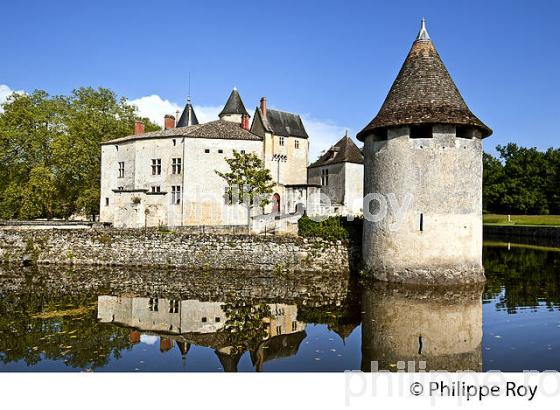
[
  {"x": 343, "y": 151},
  {"x": 218, "y": 129},
  {"x": 282, "y": 123},
  {"x": 423, "y": 93},
  {"x": 188, "y": 117},
  {"x": 234, "y": 105}
]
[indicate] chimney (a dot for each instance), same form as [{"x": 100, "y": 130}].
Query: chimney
[
  {"x": 245, "y": 122},
  {"x": 138, "y": 128},
  {"x": 263, "y": 106},
  {"x": 169, "y": 122}
]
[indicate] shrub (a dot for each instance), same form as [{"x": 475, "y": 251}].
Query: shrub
[{"x": 332, "y": 228}]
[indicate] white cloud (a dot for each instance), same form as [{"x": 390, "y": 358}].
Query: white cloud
[
  {"x": 155, "y": 108},
  {"x": 322, "y": 134},
  {"x": 148, "y": 339},
  {"x": 5, "y": 92}
]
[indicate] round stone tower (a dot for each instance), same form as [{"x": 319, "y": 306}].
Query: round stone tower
[{"x": 423, "y": 174}]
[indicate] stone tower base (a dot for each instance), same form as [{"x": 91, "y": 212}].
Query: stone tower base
[{"x": 431, "y": 276}]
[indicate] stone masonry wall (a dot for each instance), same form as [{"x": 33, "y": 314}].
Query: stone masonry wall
[{"x": 114, "y": 247}]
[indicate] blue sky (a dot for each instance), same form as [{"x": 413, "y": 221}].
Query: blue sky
[{"x": 331, "y": 61}]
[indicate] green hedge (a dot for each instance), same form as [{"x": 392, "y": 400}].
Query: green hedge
[{"x": 332, "y": 228}]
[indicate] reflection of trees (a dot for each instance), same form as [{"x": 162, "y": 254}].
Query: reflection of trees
[
  {"x": 246, "y": 324},
  {"x": 79, "y": 340},
  {"x": 528, "y": 277}
]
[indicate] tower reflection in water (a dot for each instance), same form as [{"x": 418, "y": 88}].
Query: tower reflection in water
[
  {"x": 403, "y": 326},
  {"x": 267, "y": 331}
]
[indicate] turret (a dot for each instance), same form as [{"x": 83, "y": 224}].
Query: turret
[
  {"x": 188, "y": 117},
  {"x": 234, "y": 110},
  {"x": 424, "y": 150}
]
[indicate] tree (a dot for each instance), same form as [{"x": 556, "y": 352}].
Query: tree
[
  {"x": 50, "y": 155},
  {"x": 493, "y": 182},
  {"x": 248, "y": 180}
]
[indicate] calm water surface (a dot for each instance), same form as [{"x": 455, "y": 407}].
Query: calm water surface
[{"x": 86, "y": 319}]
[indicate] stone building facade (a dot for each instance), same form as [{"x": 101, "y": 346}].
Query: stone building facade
[
  {"x": 340, "y": 174},
  {"x": 168, "y": 177},
  {"x": 424, "y": 144}
]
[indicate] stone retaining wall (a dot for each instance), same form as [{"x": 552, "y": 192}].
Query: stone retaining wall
[{"x": 114, "y": 247}]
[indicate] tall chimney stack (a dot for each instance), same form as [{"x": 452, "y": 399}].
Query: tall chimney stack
[
  {"x": 245, "y": 122},
  {"x": 138, "y": 128},
  {"x": 263, "y": 106},
  {"x": 169, "y": 122}
]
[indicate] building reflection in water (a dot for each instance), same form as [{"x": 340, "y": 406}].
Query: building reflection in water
[
  {"x": 267, "y": 331},
  {"x": 441, "y": 327}
]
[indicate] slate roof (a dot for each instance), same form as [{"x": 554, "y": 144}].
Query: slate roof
[
  {"x": 218, "y": 129},
  {"x": 188, "y": 117},
  {"x": 234, "y": 105},
  {"x": 423, "y": 93},
  {"x": 343, "y": 151},
  {"x": 283, "y": 123}
]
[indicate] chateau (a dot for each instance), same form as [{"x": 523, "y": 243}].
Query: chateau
[{"x": 168, "y": 177}]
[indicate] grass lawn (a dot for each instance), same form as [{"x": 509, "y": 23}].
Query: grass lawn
[{"x": 495, "y": 219}]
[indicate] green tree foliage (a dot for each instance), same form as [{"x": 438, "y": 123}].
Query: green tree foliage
[
  {"x": 50, "y": 150},
  {"x": 248, "y": 180},
  {"x": 522, "y": 181}
]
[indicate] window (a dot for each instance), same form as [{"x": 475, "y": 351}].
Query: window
[
  {"x": 121, "y": 169},
  {"x": 294, "y": 326},
  {"x": 176, "y": 194},
  {"x": 156, "y": 166},
  {"x": 174, "y": 142},
  {"x": 204, "y": 320},
  {"x": 242, "y": 151},
  {"x": 176, "y": 166},
  {"x": 421, "y": 131},
  {"x": 220, "y": 151},
  {"x": 281, "y": 141},
  {"x": 207, "y": 151},
  {"x": 106, "y": 201},
  {"x": 324, "y": 177},
  {"x": 421, "y": 222},
  {"x": 278, "y": 330},
  {"x": 117, "y": 147},
  {"x": 173, "y": 306},
  {"x": 153, "y": 304},
  {"x": 156, "y": 189},
  {"x": 217, "y": 320},
  {"x": 120, "y": 188},
  {"x": 296, "y": 144}
]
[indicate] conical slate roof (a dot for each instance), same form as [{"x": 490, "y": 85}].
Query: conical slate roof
[
  {"x": 343, "y": 151},
  {"x": 423, "y": 93},
  {"x": 188, "y": 117},
  {"x": 234, "y": 105}
]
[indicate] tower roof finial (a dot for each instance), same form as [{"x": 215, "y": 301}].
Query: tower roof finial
[{"x": 423, "y": 33}]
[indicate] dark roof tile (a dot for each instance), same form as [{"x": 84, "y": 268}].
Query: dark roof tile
[
  {"x": 343, "y": 151},
  {"x": 423, "y": 93},
  {"x": 234, "y": 105}
]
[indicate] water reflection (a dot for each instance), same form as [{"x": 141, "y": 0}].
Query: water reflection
[
  {"x": 267, "y": 331},
  {"x": 76, "y": 319},
  {"x": 442, "y": 328}
]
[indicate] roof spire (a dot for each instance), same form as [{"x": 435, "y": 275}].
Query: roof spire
[{"x": 423, "y": 33}]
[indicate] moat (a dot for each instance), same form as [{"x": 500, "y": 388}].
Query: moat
[{"x": 61, "y": 318}]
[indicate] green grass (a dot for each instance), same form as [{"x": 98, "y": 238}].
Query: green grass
[{"x": 527, "y": 220}]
